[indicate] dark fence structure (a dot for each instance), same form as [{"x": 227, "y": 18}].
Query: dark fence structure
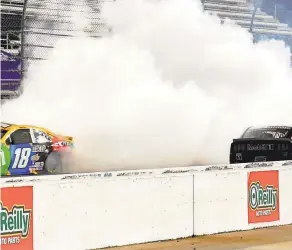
[
  {"x": 46, "y": 22},
  {"x": 31, "y": 28},
  {"x": 38, "y": 25}
]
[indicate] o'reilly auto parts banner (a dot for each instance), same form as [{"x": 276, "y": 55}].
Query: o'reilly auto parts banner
[
  {"x": 16, "y": 212},
  {"x": 263, "y": 196},
  {"x": 10, "y": 71}
]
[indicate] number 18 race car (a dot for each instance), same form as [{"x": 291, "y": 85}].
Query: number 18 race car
[
  {"x": 272, "y": 143},
  {"x": 29, "y": 149}
]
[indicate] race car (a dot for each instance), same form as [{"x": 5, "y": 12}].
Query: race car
[
  {"x": 260, "y": 144},
  {"x": 27, "y": 149}
]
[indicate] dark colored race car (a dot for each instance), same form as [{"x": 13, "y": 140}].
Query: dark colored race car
[{"x": 260, "y": 144}]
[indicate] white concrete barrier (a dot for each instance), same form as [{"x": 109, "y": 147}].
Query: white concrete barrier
[{"x": 87, "y": 211}]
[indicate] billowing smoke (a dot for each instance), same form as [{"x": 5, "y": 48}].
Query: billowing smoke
[{"x": 170, "y": 87}]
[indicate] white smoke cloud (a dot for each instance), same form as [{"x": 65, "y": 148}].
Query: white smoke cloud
[{"x": 171, "y": 87}]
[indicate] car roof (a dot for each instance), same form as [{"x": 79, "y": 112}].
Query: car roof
[
  {"x": 272, "y": 127},
  {"x": 8, "y": 126},
  {"x": 12, "y": 126}
]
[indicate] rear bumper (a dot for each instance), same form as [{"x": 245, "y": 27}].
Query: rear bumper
[{"x": 246, "y": 158}]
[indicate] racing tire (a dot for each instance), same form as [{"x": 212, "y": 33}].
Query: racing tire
[{"x": 53, "y": 163}]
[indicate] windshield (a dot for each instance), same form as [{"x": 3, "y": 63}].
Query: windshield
[
  {"x": 3, "y": 132},
  {"x": 266, "y": 133}
]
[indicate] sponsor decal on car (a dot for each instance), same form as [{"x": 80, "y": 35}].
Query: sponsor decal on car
[
  {"x": 37, "y": 166},
  {"x": 263, "y": 196},
  {"x": 260, "y": 158},
  {"x": 16, "y": 215},
  {"x": 239, "y": 156},
  {"x": 260, "y": 147},
  {"x": 38, "y": 148},
  {"x": 35, "y": 157}
]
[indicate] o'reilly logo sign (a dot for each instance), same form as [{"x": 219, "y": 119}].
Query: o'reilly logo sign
[
  {"x": 263, "y": 196},
  {"x": 16, "y": 221},
  {"x": 263, "y": 199}
]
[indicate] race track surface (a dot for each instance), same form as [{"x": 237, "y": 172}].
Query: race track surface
[{"x": 275, "y": 238}]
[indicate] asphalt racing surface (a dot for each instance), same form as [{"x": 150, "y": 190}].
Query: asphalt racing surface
[{"x": 274, "y": 238}]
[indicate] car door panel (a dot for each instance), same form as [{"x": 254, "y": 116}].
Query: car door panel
[
  {"x": 20, "y": 148},
  {"x": 41, "y": 144},
  {"x": 40, "y": 153},
  {"x": 20, "y": 158}
]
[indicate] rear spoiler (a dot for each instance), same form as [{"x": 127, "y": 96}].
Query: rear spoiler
[
  {"x": 4, "y": 125},
  {"x": 69, "y": 138},
  {"x": 262, "y": 139}
]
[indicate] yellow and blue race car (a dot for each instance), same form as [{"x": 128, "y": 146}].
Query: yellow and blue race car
[{"x": 27, "y": 149}]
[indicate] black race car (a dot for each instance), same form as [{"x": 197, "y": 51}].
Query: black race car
[{"x": 259, "y": 144}]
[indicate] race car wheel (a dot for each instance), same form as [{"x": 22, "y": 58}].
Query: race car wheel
[{"x": 53, "y": 164}]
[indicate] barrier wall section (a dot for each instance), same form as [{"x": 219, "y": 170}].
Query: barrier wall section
[
  {"x": 222, "y": 202},
  {"x": 87, "y": 211}
]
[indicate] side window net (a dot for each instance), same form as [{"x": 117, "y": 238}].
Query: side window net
[{"x": 20, "y": 136}]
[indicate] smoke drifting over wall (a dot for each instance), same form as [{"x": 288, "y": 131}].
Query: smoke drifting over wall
[{"x": 170, "y": 87}]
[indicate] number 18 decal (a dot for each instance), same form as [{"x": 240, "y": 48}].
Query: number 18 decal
[{"x": 21, "y": 157}]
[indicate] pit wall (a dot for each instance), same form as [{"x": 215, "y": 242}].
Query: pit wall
[{"x": 89, "y": 211}]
